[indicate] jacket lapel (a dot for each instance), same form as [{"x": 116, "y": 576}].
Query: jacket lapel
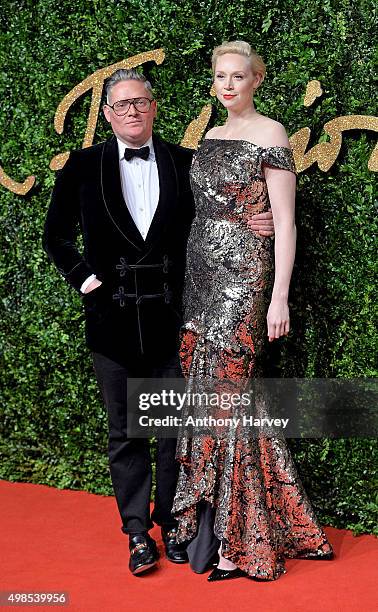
[
  {"x": 168, "y": 190},
  {"x": 112, "y": 195}
]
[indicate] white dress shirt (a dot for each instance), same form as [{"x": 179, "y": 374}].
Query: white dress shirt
[
  {"x": 140, "y": 186},
  {"x": 140, "y": 189}
]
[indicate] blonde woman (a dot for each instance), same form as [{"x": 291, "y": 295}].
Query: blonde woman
[{"x": 241, "y": 496}]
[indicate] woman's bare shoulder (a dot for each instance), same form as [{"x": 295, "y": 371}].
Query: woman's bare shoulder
[
  {"x": 215, "y": 132},
  {"x": 269, "y": 132}
]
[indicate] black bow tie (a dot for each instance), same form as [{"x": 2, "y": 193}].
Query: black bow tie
[{"x": 143, "y": 153}]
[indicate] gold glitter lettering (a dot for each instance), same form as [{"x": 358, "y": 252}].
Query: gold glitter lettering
[
  {"x": 196, "y": 128},
  {"x": 18, "y": 188},
  {"x": 326, "y": 153},
  {"x": 313, "y": 91}
]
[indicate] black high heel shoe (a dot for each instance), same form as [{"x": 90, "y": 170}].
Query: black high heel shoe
[{"x": 221, "y": 574}]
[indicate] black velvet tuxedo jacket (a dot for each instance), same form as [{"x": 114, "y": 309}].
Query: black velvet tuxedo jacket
[{"x": 137, "y": 309}]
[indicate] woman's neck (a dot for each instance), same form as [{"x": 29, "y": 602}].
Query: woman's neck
[{"x": 236, "y": 118}]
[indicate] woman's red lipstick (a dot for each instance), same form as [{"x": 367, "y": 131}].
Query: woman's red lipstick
[{"x": 229, "y": 96}]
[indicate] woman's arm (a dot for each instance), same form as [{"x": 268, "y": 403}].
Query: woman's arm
[{"x": 281, "y": 188}]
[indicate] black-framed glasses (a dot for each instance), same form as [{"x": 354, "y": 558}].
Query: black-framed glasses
[{"x": 121, "y": 107}]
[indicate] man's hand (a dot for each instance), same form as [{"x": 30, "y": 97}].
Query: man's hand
[
  {"x": 262, "y": 224},
  {"x": 93, "y": 285}
]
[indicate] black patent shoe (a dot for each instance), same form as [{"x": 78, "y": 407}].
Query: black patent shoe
[
  {"x": 221, "y": 574},
  {"x": 143, "y": 554},
  {"x": 176, "y": 553}
]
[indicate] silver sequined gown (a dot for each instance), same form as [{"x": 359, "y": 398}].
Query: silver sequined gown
[{"x": 260, "y": 510}]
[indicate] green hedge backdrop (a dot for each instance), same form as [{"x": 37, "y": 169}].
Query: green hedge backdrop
[{"x": 54, "y": 425}]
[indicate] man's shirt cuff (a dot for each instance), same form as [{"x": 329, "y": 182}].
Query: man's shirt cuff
[{"x": 87, "y": 282}]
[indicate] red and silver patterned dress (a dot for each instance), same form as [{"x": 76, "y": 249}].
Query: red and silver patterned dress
[{"x": 262, "y": 513}]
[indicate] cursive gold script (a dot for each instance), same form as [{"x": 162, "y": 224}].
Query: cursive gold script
[{"x": 324, "y": 153}]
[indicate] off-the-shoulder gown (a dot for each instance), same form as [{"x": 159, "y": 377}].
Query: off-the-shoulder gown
[{"x": 249, "y": 486}]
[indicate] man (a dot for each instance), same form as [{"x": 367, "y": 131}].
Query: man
[{"x": 131, "y": 197}]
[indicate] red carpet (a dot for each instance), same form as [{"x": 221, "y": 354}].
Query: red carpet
[{"x": 54, "y": 540}]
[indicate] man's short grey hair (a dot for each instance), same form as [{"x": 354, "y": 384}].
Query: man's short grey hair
[{"x": 126, "y": 75}]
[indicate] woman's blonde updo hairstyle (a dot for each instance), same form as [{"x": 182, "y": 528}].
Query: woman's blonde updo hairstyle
[{"x": 241, "y": 48}]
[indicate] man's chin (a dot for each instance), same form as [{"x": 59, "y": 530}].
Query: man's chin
[{"x": 134, "y": 135}]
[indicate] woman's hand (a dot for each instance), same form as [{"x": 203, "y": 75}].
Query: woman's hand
[{"x": 278, "y": 319}]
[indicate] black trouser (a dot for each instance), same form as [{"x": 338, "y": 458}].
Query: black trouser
[{"x": 129, "y": 459}]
